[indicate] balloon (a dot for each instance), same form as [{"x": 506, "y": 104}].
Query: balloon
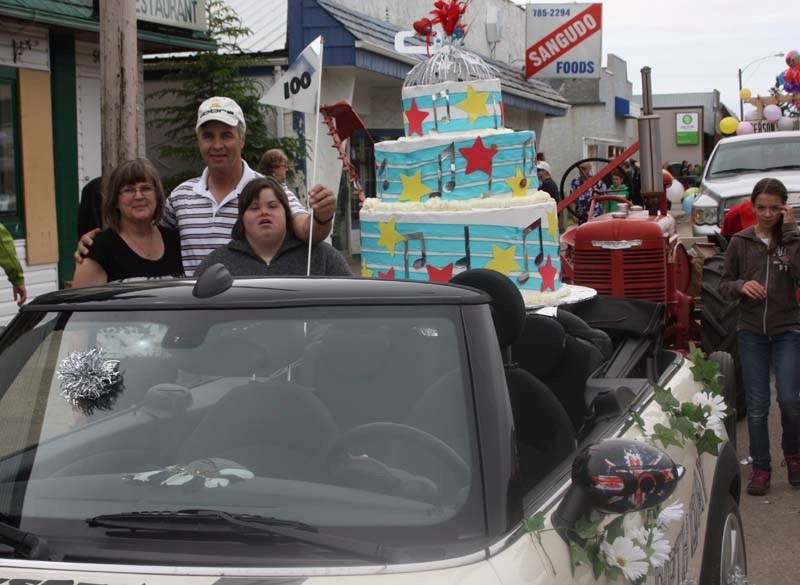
[
  {"x": 785, "y": 123},
  {"x": 675, "y": 192},
  {"x": 745, "y": 93},
  {"x": 728, "y": 125},
  {"x": 691, "y": 191},
  {"x": 744, "y": 128},
  {"x": 780, "y": 79},
  {"x": 772, "y": 113},
  {"x": 751, "y": 115},
  {"x": 792, "y": 58},
  {"x": 688, "y": 202}
]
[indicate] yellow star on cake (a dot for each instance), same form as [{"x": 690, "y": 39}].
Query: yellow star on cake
[
  {"x": 552, "y": 225},
  {"x": 389, "y": 237},
  {"x": 474, "y": 104},
  {"x": 503, "y": 260},
  {"x": 413, "y": 187},
  {"x": 365, "y": 272},
  {"x": 515, "y": 183}
]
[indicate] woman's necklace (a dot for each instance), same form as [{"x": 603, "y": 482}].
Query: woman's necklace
[{"x": 148, "y": 247}]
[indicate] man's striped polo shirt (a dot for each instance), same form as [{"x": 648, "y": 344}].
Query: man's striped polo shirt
[{"x": 203, "y": 223}]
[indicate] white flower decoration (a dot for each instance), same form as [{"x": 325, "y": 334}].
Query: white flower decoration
[
  {"x": 634, "y": 529},
  {"x": 661, "y": 548},
  {"x": 712, "y": 405},
  {"x": 625, "y": 555},
  {"x": 670, "y": 514}
]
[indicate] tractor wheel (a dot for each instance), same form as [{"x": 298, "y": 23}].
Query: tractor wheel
[{"x": 718, "y": 318}]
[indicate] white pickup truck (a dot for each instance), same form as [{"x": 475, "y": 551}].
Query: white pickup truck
[{"x": 735, "y": 165}]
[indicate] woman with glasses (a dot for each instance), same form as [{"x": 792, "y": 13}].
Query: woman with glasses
[{"x": 133, "y": 245}]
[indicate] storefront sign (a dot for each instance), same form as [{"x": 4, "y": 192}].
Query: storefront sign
[
  {"x": 687, "y": 128},
  {"x": 189, "y": 14},
  {"x": 563, "y": 40}
]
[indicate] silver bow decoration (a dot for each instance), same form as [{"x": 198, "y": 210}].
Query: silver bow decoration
[{"x": 88, "y": 380}]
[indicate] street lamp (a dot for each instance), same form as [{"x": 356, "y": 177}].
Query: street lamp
[{"x": 741, "y": 103}]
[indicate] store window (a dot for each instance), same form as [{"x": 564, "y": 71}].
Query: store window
[{"x": 10, "y": 184}]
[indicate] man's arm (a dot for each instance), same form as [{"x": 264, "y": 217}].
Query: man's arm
[
  {"x": 9, "y": 260},
  {"x": 323, "y": 202}
]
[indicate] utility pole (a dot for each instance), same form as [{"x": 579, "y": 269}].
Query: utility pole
[{"x": 119, "y": 80}]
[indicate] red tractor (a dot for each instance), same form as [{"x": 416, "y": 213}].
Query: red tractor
[{"x": 633, "y": 253}]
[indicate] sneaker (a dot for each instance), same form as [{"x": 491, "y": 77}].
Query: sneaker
[
  {"x": 792, "y": 463},
  {"x": 759, "y": 483}
]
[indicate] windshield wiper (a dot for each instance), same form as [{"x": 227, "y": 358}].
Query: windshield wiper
[
  {"x": 783, "y": 167},
  {"x": 217, "y": 522},
  {"x": 25, "y": 544},
  {"x": 736, "y": 170}
]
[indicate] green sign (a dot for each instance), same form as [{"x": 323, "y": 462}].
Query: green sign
[
  {"x": 189, "y": 14},
  {"x": 687, "y": 128}
]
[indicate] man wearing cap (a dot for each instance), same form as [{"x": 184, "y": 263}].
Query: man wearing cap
[
  {"x": 203, "y": 209},
  {"x": 546, "y": 182}
]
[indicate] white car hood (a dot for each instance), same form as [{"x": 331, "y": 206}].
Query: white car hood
[{"x": 736, "y": 185}]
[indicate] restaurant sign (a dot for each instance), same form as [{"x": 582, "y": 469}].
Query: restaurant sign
[{"x": 189, "y": 14}]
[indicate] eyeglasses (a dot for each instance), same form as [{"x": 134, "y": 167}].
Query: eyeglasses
[{"x": 130, "y": 190}]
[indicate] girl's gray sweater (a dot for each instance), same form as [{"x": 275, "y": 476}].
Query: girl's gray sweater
[{"x": 241, "y": 260}]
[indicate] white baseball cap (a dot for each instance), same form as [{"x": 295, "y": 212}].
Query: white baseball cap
[
  {"x": 543, "y": 166},
  {"x": 222, "y": 109}
]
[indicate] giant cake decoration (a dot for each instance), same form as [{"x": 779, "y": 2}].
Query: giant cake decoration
[{"x": 459, "y": 190}]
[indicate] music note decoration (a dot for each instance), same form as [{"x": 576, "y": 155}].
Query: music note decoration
[
  {"x": 438, "y": 96},
  {"x": 420, "y": 262},
  {"x": 466, "y": 261},
  {"x": 447, "y": 154},
  {"x": 534, "y": 225},
  {"x": 383, "y": 176}
]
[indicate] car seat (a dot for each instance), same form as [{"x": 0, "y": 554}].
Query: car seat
[
  {"x": 544, "y": 432},
  {"x": 563, "y": 352}
]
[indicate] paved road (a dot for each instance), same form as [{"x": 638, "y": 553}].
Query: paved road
[{"x": 772, "y": 522}]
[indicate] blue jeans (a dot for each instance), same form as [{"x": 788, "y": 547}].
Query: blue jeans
[{"x": 757, "y": 352}]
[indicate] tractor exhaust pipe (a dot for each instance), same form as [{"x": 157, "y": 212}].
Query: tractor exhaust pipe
[{"x": 650, "y": 149}]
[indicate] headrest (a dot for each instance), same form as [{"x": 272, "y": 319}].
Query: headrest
[
  {"x": 508, "y": 308},
  {"x": 576, "y": 326},
  {"x": 540, "y": 345}
]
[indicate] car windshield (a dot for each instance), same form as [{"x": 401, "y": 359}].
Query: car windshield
[
  {"x": 345, "y": 422},
  {"x": 754, "y": 156}
]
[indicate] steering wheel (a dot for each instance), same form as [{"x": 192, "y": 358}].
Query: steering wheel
[{"x": 387, "y": 430}]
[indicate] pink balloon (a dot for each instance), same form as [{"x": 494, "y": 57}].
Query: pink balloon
[
  {"x": 744, "y": 128},
  {"x": 751, "y": 115},
  {"x": 772, "y": 112}
]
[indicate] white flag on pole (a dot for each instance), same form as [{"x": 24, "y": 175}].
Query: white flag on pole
[{"x": 297, "y": 89}]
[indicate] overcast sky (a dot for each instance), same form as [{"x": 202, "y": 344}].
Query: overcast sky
[{"x": 699, "y": 45}]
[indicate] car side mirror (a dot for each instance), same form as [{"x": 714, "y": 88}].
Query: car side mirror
[{"x": 617, "y": 476}]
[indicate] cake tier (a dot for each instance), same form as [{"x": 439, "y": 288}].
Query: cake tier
[
  {"x": 452, "y": 106},
  {"x": 456, "y": 166},
  {"x": 436, "y": 239}
]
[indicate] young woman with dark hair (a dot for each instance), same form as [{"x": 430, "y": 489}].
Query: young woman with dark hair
[
  {"x": 263, "y": 242},
  {"x": 762, "y": 268}
]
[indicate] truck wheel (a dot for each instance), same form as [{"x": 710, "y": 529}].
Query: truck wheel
[
  {"x": 718, "y": 323},
  {"x": 727, "y": 370},
  {"x": 727, "y": 558}
]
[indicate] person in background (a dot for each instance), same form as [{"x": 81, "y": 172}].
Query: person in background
[
  {"x": 618, "y": 188},
  {"x": 581, "y": 205},
  {"x": 263, "y": 241},
  {"x": 275, "y": 163},
  {"x": 203, "y": 209},
  {"x": 546, "y": 182},
  {"x": 90, "y": 210},
  {"x": 635, "y": 182},
  {"x": 738, "y": 218},
  {"x": 133, "y": 245},
  {"x": 762, "y": 267},
  {"x": 9, "y": 262}
]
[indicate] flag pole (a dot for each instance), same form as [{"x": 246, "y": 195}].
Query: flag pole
[{"x": 314, "y": 153}]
